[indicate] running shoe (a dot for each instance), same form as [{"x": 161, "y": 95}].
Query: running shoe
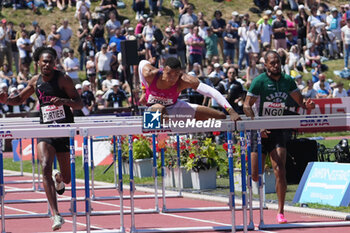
[
  {"x": 57, "y": 222},
  {"x": 281, "y": 219},
  {"x": 60, "y": 187}
]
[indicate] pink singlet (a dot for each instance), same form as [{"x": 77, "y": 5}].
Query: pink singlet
[{"x": 164, "y": 97}]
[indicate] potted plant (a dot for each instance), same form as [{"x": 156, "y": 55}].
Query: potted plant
[
  {"x": 202, "y": 160},
  {"x": 142, "y": 155}
]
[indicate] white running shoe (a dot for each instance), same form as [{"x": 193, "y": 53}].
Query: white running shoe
[
  {"x": 58, "y": 221},
  {"x": 60, "y": 187}
]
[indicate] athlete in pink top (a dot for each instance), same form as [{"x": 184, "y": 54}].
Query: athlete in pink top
[{"x": 163, "y": 88}]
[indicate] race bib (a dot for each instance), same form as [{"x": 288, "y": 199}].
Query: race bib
[
  {"x": 159, "y": 100},
  {"x": 52, "y": 113},
  {"x": 273, "y": 109}
]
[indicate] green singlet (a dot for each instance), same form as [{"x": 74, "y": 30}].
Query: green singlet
[{"x": 273, "y": 94}]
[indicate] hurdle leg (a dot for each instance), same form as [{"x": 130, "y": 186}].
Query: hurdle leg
[
  {"x": 155, "y": 172},
  {"x": 120, "y": 184},
  {"x": 87, "y": 183},
  {"x": 261, "y": 184},
  {"x": 250, "y": 181},
  {"x": 2, "y": 191},
  {"x": 73, "y": 203},
  {"x": 92, "y": 167},
  {"x": 162, "y": 173},
  {"x": 55, "y": 162},
  {"x": 244, "y": 178},
  {"x": 179, "y": 163},
  {"x": 33, "y": 165},
  {"x": 132, "y": 185},
  {"x": 21, "y": 155},
  {"x": 232, "y": 184},
  {"x": 115, "y": 161}
]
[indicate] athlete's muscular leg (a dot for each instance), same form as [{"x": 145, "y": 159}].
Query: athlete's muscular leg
[
  {"x": 278, "y": 160},
  {"x": 204, "y": 113},
  {"x": 46, "y": 154},
  {"x": 64, "y": 162},
  {"x": 255, "y": 165}
]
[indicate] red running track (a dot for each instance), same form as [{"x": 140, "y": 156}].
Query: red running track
[{"x": 154, "y": 220}]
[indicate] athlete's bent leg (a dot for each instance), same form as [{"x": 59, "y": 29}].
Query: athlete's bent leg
[
  {"x": 278, "y": 161},
  {"x": 204, "y": 113},
  {"x": 64, "y": 162}
]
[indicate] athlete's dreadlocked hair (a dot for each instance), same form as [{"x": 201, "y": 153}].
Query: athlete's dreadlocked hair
[
  {"x": 39, "y": 51},
  {"x": 173, "y": 63}
]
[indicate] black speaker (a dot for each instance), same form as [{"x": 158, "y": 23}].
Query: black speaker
[
  {"x": 129, "y": 52},
  {"x": 299, "y": 153}
]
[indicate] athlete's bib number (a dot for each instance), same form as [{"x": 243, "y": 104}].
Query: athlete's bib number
[
  {"x": 273, "y": 109},
  {"x": 52, "y": 113},
  {"x": 159, "y": 100}
]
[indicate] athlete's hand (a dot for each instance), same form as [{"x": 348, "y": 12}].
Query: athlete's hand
[
  {"x": 142, "y": 99},
  {"x": 234, "y": 116},
  {"x": 57, "y": 101},
  {"x": 309, "y": 104},
  {"x": 3, "y": 97}
]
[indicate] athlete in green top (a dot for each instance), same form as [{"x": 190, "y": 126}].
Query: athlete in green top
[{"x": 273, "y": 88}]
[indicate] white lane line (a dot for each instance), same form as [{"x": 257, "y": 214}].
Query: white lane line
[{"x": 30, "y": 212}]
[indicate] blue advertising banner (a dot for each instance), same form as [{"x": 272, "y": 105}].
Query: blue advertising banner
[{"x": 325, "y": 183}]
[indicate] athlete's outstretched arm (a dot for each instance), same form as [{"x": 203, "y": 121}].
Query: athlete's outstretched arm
[
  {"x": 247, "y": 106},
  {"x": 308, "y": 104},
  {"x": 189, "y": 81},
  {"x": 22, "y": 96}
]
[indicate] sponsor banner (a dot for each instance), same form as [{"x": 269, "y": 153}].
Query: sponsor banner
[{"x": 325, "y": 183}]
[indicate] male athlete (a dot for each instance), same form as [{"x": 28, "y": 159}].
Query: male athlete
[
  {"x": 272, "y": 88},
  {"x": 56, "y": 94},
  {"x": 163, "y": 87}
]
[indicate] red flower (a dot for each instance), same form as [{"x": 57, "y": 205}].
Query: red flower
[
  {"x": 112, "y": 141},
  {"x": 225, "y": 146},
  {"x": 189, "y": 148},
  {"x": 135, "y": 137},
  {"x": 157, "y": 148},
  {"x": 194, "y": 142},
  {"x": 187, "y": 141},
  {"x": 174, "y": 145},
  {"x": 183, "y": 147},
  {"x": 216, "y": 133},
  {"x": 192, "y": 155},
  {"x": 233, "y": 149}
]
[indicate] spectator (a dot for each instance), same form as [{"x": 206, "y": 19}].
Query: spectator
[
  {"x": 218, "y": 24},
  {"x": 187, "y": 20},
  {"x": 279, "y": 27},
  {"x": 334, "y": 23},
  {"x": 7, "y": 76},
  {"x": 242, "y": 32},
  {"x": 345, "y": 34},
  {"x": 107, "y": 84},
  {"x": 108, "y": 6},
  {"x": 23, "y": 77},
  {"x": 313, "y": 19},
  {"x": 37, "y": 40},
  {"x": 299, "y": 81},
  {"x": 309, "y": 91},
  {"x": 268, "y": 16},
  {"x": 66, "y": 34},
  {"x": 29, "y": 104},
  {"x": 100, "y": 101},
  {"x": 115, "y": 99},
  {"x": 147, "y": 34},
  {"x": 139, "y": 7},
  {"x": 83, "y": 11},
  {"x": 98, "y": 33},
  {"x": 295, "y": 62},
  {"x": 103, "y": 61},
  {"x": 339, "y": 91},
  {"x": 117, "y": 38},
  {"x": 54, "y": 34},
  {"x": 112, "y": 24},
  {"x": 265, "y": 30},
  {"x": 196, "y": 44},
  {"x": 12, "y": 36},
  {"x": 312, "y": 37},
  {"x": 181, "y": 46},
  {"x": 36, "y": 4},
  {"x": 88, "y": 98},
  {"x": 82, "y": 33},
  {"x": 252, "y": 72},
  {"x": 24, "y": 48},
  {"x": 139, "y": 26},
  {"x": 35, "y": 24},
  {"x": 252, "y": 46},
  {"x": 230, "y": 39},
  {"x": 311, "y": 55},
  {"x": 322, "y": 79},
  {"x": 328, "y": 45},
  {"x": 301, "y": 20},
  {"x": 323, "y": 92},
  {"x": 71, "y": 66},
  {"x": 91, "y": 71},
  {"x": 235, "y": 93},
  {"x": 89, "y": 46},
  {"x": 211, "y": 45},
  {"x": 53, "y": 44},
  {"x": 5, "y": 44},
  {"x": 155, "y": 7},
  {"x": 170, "y": 44}
]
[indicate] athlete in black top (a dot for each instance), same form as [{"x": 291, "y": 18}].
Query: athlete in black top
[{"x": 56, "y": 94}]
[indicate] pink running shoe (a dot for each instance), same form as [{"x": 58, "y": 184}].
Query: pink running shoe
[{"x": 281, "y": 219}]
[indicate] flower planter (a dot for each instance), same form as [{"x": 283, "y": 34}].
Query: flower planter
[
  {"x": 142, "y": 168},
  {"x": 204, "y": 179},
  {"x": 269, "y": 179},
  {"x": 171, "y": 178}
]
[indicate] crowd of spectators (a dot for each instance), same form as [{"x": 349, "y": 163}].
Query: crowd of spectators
[{"x": 226, "y": 53}]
